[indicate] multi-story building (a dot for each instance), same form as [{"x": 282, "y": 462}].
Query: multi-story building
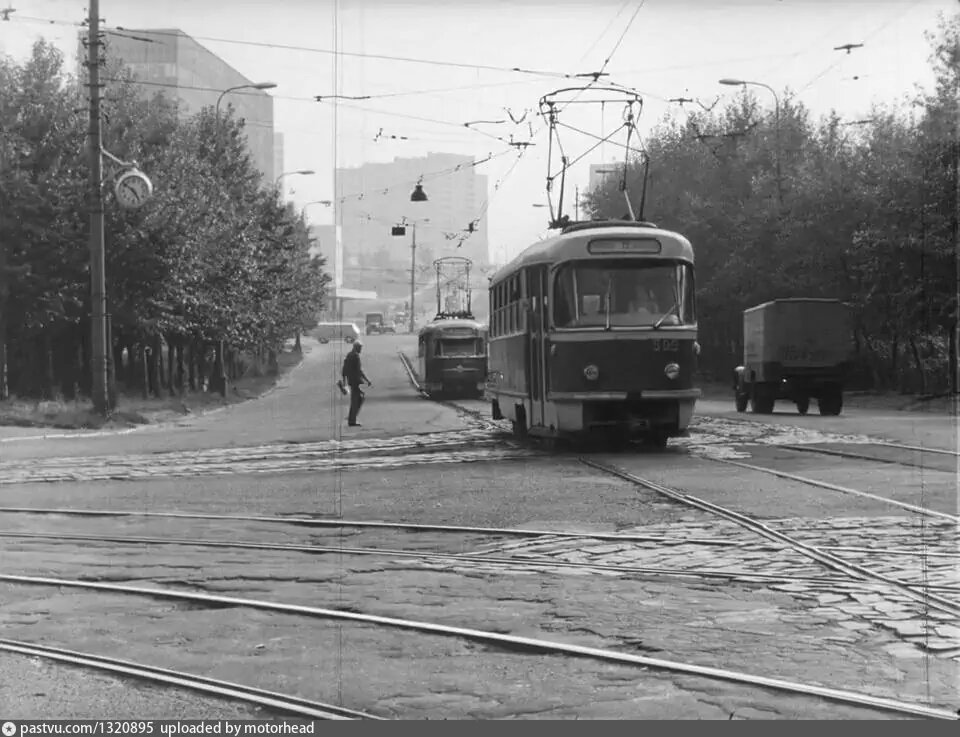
[
  {"x": 168, "y": 60},
  {"x": 327, "y": 244},
  {"x": 277, "y": 154},
  {"x": 456, "y": 196}
]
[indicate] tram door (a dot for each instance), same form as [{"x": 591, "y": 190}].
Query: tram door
[{"x": 536, "y": 290}]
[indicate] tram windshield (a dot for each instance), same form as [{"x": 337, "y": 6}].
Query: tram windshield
[
  {"x": 459, "y": 347},
  {"x": 623, "y": 293}
]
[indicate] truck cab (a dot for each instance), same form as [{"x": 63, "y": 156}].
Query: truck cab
[{"x": 376, "y": 324}]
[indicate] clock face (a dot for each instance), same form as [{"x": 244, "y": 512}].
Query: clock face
[{"x": 133, "y": 189}]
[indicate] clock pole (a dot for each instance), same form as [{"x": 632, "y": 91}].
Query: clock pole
[{"x": 98, "y": 298}]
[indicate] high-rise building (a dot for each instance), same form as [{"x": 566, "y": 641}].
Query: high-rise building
[
  {"x": 277, "y": 154},
  {"x": 599, "y": 174},
  {"x": 328, "y": 244},
  {"x": 456, "y": 197},
  {"x": 168, "y": 60}
]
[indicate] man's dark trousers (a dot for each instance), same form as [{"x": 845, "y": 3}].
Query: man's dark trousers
[{"x": 356, "y": 400}]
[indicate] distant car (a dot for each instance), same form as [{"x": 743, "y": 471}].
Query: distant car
[{"x": 327, "y": 331}]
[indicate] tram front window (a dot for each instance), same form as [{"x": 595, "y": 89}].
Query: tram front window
[
  {"x": 623, "y": 294},
  {"x": 451, "y": 347}
]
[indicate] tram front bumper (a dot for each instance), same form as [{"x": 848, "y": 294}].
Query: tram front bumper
[{"x": 634, "y": 415}]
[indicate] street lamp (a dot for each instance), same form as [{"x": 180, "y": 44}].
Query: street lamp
[
  {"x": 776, "y": 102},
  {"x": 220, "y": 376},
  {"x": 418, "y": 195},
  {"x": 291, "y": 173},
  {"x": 251, "y": 86},
  {"x": 400, "y": 230},
  {"x": 325, "y": 203}
]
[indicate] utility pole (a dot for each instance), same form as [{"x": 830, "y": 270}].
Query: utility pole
[
  {"x": 98, "y": 297},
  {"x": 413, "y": 276},
  {"x": 4, "y": 288}
]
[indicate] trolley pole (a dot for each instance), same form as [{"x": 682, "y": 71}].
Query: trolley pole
[
  {"x": 413, "y": 277},
  {"x": 98, "y": 316}
]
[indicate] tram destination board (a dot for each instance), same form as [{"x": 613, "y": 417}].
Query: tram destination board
[
  {"x": 159, "y": 727},
  {"x": 623, "y": 245}
]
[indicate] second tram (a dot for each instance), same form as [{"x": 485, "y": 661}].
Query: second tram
[
  {"x": 594, "y": 331},
  {"x": 452, "y": 358}
]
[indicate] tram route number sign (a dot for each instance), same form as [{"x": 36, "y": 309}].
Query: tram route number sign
[{"x": 666, "y": 345}]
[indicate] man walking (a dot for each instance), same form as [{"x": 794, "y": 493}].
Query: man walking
[{"x": 353, "y": 375}]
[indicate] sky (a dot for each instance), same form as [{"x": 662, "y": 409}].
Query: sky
[{"x": 452, "y": 63}]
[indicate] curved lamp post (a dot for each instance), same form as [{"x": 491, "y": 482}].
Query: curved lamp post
[
  {"x": 305, "y": 172},
  {"x": 776, "y": 102},
  {"x": 251, "y": 86},
  {"x": 219, "y": 374}
]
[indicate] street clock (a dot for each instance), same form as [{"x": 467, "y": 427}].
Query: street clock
[{"x": 132, "y": 189}]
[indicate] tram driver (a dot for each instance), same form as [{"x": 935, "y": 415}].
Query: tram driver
[{"x": 649, "y": 306}]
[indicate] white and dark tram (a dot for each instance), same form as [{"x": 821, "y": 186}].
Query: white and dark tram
[{"x": 594, "y": 332}]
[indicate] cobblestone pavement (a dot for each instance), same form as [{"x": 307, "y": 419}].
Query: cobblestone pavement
[
  {"x": 446, "y": 447},
  {"x": 918, "y": 427},
  {"x": 886, "y": 545}
]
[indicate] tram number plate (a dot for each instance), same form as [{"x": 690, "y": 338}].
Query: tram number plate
[{"x": 666, "y": 345}]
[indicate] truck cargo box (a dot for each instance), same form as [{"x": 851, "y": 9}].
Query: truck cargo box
[{"x": 798, "y": 333}]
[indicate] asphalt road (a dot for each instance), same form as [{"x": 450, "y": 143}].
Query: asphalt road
[{"x": 290, "y": 453}]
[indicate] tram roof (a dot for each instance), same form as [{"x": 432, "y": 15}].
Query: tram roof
[
  {"x": 571, "y": 242},
  {"x": 454, "y": 322}
]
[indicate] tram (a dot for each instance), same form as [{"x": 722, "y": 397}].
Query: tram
[
  {"x": 452, "y": 359},
  {"x": 452, "y": 353},
  {"x": 593, "y": 332}
]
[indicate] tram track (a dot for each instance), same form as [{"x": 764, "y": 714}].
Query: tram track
[
  {"x": 825, "y": 558},
  {"x": 864, "y": 457},
  {"x": 476, "y": 417},
  {"x": 453, "y": 558},
  {"x": 557, "y": 535},
  {"x": 368, "y": 524},
  {"x": 505, "y": 641},
  {"x": 836, "y": 487},
  {"x": 916, "y": 509},
  {"x": 270, "y": 700}
]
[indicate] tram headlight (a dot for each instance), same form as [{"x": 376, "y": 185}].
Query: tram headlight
[
  {"x": 591, "y": 372},
  {"x": 672, "y": 371}
]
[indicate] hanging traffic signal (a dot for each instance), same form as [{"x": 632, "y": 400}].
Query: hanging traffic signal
[{"x": 398, "y": 230}]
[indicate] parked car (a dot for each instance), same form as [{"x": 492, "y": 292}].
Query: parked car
[{"x": 345, "y": 331}]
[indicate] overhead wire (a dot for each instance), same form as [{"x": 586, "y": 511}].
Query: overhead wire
[
  {"x": 604, "y": 31},
  {"x": 310, "y": 49},
  {"x": 565, "y": 164},
  {"x": 340, "y": 104},
  {"x": 843, "y": 58}
]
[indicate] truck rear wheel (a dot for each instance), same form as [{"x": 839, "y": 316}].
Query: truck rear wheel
[
  {"x": 831, "y": 402},
  {"x": 519, "y": 425},
  {"x": 762, "y": 400}
]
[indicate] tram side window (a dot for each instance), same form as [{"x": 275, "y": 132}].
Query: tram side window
[
  {"x": 687, "y": 289},
  {"x": 515, "y": 297},
  {"x": 501, "y": 327},
  {"x": 566, "y": 301},
  {"x": 421, "y": 349}
]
